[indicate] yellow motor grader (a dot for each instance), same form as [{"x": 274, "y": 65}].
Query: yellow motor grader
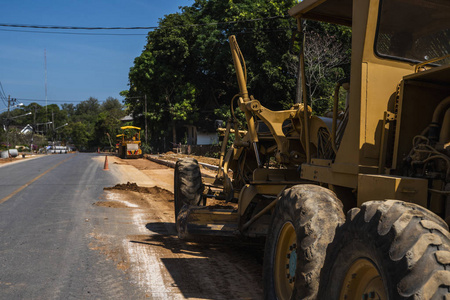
[{"x": 356, "y": 206}]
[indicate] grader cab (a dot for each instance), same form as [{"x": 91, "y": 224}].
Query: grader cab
[{"x": 355, "y": 207}]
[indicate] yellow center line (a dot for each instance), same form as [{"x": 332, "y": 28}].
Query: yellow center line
[{"x": 33, "y": 180}]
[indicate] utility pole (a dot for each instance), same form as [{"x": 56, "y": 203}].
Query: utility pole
[
  {"x": 53, "y": 131},
  {"x": 11, "y": 102},
  {"x": 146, "y": 142},
  {"x": 45, "y": 63},
  {"x": 34, "y": 128},
  {"x": 7, "y": 123}
]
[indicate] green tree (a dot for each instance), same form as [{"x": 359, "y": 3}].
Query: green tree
[
  {"x": 112, "y": 105},
  {"x": 187, "y": 69},
  {"x": 108, "y": 122},
  {"x": 86, "y": 112},
  {"x": 69, "y": 108},
  {"x": 89, "y": 122},
  {"x": 79, "y": 135}
]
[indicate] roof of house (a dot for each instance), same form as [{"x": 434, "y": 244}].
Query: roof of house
[{"x": 127, "y": 118}]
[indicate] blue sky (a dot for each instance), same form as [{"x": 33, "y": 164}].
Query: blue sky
[{"x": 78, "y": 66}]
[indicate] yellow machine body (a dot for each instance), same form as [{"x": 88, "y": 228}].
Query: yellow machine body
[
  {"x": 361, "y": 155},
  {"x": 392, "y": 143}
]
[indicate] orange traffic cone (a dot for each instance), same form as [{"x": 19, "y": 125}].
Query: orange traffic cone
[{"x": 105, "y": 167}]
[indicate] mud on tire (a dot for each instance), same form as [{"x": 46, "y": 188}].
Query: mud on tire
[
  {"x": 314, "y": 213},
  {"x": 188, "y": 186},
  {"x": 409, "y": 245}
]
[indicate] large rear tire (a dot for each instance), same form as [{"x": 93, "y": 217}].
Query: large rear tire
[
  {"x": 188, "y": 185},
  {"x": 303, "y": 224},
  {"x": 389, "y": 250}
]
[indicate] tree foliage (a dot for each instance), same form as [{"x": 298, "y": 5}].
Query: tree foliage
[{"x": 88, "y": 123}]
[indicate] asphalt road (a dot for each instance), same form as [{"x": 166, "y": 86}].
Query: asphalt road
[{"x": 46, "y": 221}]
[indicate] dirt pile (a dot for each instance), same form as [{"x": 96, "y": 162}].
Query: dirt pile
[{"x": 133, "y": 187}]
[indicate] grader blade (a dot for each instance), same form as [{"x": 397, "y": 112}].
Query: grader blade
[{"x": 201, "y": 220}]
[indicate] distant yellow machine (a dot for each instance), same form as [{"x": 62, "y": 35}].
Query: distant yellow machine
[{"x": 129, "y": 145}]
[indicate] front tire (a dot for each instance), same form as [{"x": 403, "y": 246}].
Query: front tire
[
  {"x": 303, "y": 224},
  {"x": 188, "y": 185},
  {"x": 389, "y": 250}
]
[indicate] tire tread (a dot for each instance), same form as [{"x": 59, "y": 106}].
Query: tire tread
[
  {"x": 315, "y": 213},
  {"x": 188, "y": 183},
  {"x": 419, "y": 234}
]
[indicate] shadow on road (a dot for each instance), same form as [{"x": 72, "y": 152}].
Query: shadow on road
[{"x": 210, "y": 267}]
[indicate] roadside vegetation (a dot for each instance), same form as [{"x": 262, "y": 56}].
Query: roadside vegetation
[{"x": 87, "y": 124}]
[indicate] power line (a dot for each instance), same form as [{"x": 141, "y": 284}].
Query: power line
[
  {"x": 28, "y": 100},
  {"x": 136, "y": 27},
  {"x": 2, "y": 94},
  {"x": 114, "y": 34},
  {"x": 49, "y": 100},
  {"x": 43, "y": 100},
  {"x": 74, "y": 27},
  {"x": 53, "y": 27},
  {"x": 76, "y": 33}
]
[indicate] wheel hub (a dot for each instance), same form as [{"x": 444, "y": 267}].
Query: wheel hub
[
  {"x": 363, "y": 281},
  {"x": 292, "y": 262},
  {"x": 285, "y": 261}
]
